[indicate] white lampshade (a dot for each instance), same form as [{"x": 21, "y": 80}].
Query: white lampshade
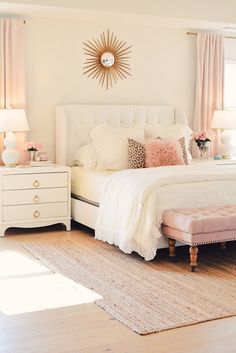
[
  {"x": 224, "y": 120},
  {"x": 13, "y": 120}
]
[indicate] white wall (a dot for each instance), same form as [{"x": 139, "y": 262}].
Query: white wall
[{"x": 162, "y": 60}]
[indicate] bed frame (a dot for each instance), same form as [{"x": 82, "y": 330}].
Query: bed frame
[{"x": 75, "y": 122}]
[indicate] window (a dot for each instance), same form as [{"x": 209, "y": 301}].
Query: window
[
  {"x": 230, "y": 85},
  {"x": 230, "y": 90}
]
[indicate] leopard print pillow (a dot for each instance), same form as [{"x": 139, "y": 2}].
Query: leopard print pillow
[
  {"x": 184, "y": 150},
  {"x": 136, "y": 153}
]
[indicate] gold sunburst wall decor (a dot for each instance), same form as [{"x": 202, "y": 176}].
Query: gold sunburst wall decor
[{"x": 107, "y": 59}]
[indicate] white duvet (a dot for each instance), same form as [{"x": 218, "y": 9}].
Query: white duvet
[{"x": 133, "y": 201}]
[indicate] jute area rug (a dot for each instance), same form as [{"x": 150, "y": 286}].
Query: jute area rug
[{"x": 147, "y": 296}]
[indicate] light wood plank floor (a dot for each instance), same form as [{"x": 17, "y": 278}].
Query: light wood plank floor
[{"x": 43, "y": 312}]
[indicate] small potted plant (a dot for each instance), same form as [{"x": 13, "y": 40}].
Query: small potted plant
[
  {"x": 32, "y": 147},
  {"x": 202, "y": 140}
]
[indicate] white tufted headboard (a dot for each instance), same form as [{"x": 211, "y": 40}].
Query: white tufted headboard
[{"x": 75, "y": 122}]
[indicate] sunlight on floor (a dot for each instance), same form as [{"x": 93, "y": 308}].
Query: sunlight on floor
[
  {"x": 26, "y": 285},
  {"x": 15, "y": 263}
]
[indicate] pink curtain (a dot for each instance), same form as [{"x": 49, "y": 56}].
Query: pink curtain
[
  {"x": 209, "y": 84},
  {"x": 12, "y": 69}
]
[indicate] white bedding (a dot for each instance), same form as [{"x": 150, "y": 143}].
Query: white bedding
[
  {"x": 88, "y": 184},
  {"x": 133, "y": 201}
]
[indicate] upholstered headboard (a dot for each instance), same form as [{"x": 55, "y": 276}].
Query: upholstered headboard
[{"x": 75, "y": 122}]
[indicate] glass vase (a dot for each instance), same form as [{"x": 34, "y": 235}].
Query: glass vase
[
  {"x": 32, "y": 156},
  {"x": 204, "y": 149}
]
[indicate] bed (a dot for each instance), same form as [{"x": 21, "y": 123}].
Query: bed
[
  {"x": 75, "y": 122},
  {"x": 179, "y": 186}
]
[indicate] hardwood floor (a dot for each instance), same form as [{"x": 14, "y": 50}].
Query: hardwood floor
[{"x": 43, "y": 312}]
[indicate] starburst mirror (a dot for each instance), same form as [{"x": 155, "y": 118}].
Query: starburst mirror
[{"x": 107, "y": 59}]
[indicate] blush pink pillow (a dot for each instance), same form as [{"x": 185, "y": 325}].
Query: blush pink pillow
[{"x": 160, "y": 153}]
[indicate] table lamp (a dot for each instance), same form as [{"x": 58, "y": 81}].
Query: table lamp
[
  {"x": 12, "y": 120},
  {"x": 225, "y": 120}
]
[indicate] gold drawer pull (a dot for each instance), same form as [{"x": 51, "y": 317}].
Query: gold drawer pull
[
  {"x": 36, "y": 198},
  {"x": 36, "y": 214},
  {"x": 36, "y": 183}
]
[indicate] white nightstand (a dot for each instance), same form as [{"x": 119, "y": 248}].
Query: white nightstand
[
  {"x": 211, "y": 161},
  {"x": 34, "y": 197}
]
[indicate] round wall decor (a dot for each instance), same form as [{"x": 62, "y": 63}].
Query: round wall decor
[{"x": 107, "y": 59}]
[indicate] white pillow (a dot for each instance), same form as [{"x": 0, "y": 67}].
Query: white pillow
[
  {"x": 173, "y": 132},
  {"x": 154, "y": 131},
  {"x": 86, "y": 157},
  {"x": 112, "y": 145},
  {"x": 178, "y": 131}
]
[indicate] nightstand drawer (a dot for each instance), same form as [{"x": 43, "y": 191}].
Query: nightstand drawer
[
  {"x": 34, "y": 181},
  {"x": 35, "y": 212},
  {"x": 23, "y": 197}
]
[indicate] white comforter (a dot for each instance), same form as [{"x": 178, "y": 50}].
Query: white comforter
[{"x": 133, "y": 201}]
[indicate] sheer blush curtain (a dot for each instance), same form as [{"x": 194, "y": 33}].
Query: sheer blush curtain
[
  {"x": 12, "y": 70},
  {"x": 209, "y": 84}
]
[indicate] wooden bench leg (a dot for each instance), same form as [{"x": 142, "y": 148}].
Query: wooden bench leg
[
  {"x": 171, "y": 243},
  {"x": 223, "y": 246},
  {"x": 193, "y": 250}
]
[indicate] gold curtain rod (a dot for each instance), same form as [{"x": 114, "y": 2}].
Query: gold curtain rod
[
  {"x": 4, "y": 17},
  {"x": 195, "y": 33}
]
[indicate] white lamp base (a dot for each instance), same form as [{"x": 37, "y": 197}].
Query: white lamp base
[
  {"x": 226, "y": 148},
  {"x": 10, "y": 156}
]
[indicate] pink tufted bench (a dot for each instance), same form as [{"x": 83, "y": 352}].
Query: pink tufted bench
[{"x": 198, "y": 226}]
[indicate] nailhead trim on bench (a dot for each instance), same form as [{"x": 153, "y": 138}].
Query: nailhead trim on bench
[{"x": 199, "y": 230}]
